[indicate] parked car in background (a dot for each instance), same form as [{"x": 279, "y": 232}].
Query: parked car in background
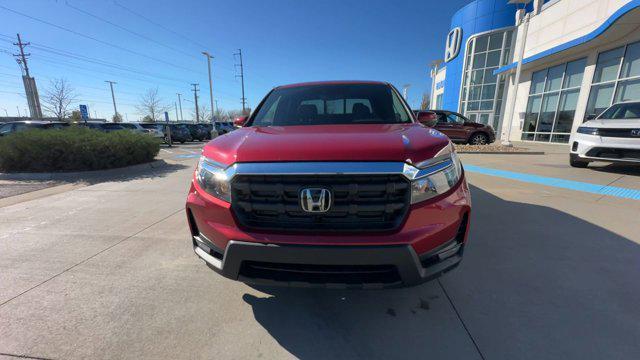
[
  {"x": 614, "y": 136},
  {"x": 179, "y": 133},
  {"x": 221, "y": 128},
  {"x": 197, "y": 133},
  {"x": 101, "y": 126},
  {"x": 155, "y": 130},
  {"x": 457, "y": 127},
  {"x": 206, "y": 128},
  {"x": 134, "y": 127},
  {"x": 17, "y": 126}
]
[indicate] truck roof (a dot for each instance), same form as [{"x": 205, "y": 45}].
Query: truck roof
[{"x": 331, "y": 82}]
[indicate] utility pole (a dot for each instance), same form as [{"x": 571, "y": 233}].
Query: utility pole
[
  {"x": 209, "y": 57},
  {"x": 195, "y": 97},
  {"x": 241, "y": 76},
  {"x": 17, "y": 108},
  {"x": 30, "y": 89},
  {"x": 113, "y": 97},
  {"x": 180, "y": 104},
  {"x": 176, "y": 105}
]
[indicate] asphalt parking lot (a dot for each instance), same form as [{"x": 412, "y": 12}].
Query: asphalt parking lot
[{"x": 107, "y": 270}]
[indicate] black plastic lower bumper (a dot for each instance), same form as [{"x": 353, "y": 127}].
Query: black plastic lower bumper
[{"x": 328, "y": 266}]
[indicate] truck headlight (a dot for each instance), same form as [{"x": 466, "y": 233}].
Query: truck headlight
[
  {"x": 437, "y": 176},
  {"x": 213, "y": 179}
]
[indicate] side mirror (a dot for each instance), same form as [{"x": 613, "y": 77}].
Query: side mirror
[
  {"x": 240, "y": 121},
  {"x": 591, "y": 116},
  {"x": 428, "y": 118}
]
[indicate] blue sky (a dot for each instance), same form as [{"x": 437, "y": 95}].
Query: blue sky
[{"x": 282, "y": 42}]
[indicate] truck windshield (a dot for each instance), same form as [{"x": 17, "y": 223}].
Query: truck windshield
[
  {"x": 622, "y": 111},
  {"x": 332, "y": 104}
]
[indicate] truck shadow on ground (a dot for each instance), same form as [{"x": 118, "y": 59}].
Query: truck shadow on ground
[{"x": 535, "y": 283}]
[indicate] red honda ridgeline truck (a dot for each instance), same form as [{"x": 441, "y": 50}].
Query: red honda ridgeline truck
[{"x": 330, "y": 184}]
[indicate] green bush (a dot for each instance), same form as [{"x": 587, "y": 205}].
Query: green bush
[{"x": 74, "y": 149}]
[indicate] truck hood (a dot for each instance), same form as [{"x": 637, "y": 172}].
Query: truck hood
[{"x": 412, "y": 143}]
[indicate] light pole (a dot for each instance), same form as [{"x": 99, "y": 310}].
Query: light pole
[
  {"x": 405, "y": 89},
  {"x": 209, "y": 57},
  {"x": 180, "y": 104},
  {"x": 113, "y": 97}
]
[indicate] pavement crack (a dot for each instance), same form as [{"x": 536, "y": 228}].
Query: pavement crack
[
  {"x": 466, "y": 329},
  {"x": 91, "y": 257},
  {"x": 25, "y": 356},
  {"x": 609, "y": 184}
]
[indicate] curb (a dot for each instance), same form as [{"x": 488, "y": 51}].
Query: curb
[
  {"x": 79, "y": 175},
  {"x": 503, "y": 153}
]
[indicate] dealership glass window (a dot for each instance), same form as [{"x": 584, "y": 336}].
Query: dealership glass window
[
  {"x": 481, "y": 95},
  {"x": 616, "y": 79},
  {"x": 438, "y": 102},
  {"x": 553, "y": 97}
]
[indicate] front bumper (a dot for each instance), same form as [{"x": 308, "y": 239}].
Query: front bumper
[
  {"x": 609, "y": 149},
  {"x": 366, "y": 267},
  {"x": 429, "y": 243}
]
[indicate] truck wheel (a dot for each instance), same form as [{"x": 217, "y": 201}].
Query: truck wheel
[
  {"x": 479, "y": 139},
  {"x": 575, "y": 162}
]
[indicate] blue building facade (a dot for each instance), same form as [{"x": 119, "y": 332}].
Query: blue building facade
[{"x": 477, "y": 17}]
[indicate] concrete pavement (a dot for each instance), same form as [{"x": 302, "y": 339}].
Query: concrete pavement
[{"x": 107, "y": 271}]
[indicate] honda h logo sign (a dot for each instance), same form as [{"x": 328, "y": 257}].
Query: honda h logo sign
[
  {"x": 635, "y": 132},
  {"x": 315, "y": 200},
  {"x": 452, "y": 48}
]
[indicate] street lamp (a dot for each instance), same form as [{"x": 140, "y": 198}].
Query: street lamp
[{"x": 209, "y": 57}]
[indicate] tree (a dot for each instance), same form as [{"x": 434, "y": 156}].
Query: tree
[
  {"x": 204, "y": 113},
  {"x": 232, "y": 114},
  {"x": 76, "y": 116},
  {"x": 147, "y": 118},
  {"x": 117, "y": 118},
  {"x": 58, "y": 97},
  {"x": 426, "y": 101},
  {"x": 151, "y": 105}
]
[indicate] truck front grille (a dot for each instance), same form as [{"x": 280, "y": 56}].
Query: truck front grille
[{"x": 363, "y": 203}]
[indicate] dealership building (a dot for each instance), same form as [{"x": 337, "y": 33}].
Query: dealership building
[{"x": 535, "y": 70}]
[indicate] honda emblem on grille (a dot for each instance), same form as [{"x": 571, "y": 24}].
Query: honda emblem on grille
[
  {"x": 635, "y": 132},
  {"x": 315, "y": 200}
]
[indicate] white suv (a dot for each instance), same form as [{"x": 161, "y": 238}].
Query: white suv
[{"x": 613, "y": 137}]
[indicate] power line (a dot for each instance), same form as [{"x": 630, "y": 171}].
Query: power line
[
  {"x": 116, "y": 3},
  {"x": 96, "y": 39},
  {"x": 127, "y": 30},
  {"x": 75, "y": 56}
]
